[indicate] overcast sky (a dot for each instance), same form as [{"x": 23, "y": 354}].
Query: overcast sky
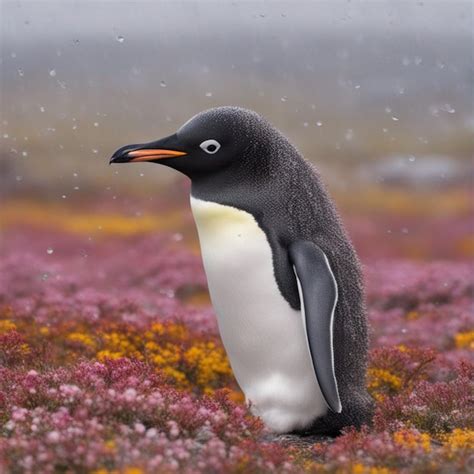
[
  {"x": 344, "y": 80},
  {"x": 38, "y": 19}
]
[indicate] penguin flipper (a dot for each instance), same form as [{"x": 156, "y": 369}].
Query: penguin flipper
[{"x": 318, "y": 296}]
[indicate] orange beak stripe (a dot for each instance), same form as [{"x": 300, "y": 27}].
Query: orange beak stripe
[{"x": 148, "y": 155}]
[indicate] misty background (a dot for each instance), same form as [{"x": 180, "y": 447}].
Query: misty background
[{"x": 371, "y": 92}]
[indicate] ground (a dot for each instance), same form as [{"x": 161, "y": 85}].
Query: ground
[{"x": 111, "y": 362}]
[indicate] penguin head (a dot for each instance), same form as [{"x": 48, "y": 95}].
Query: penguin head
[{"x": 208, "y": 142}]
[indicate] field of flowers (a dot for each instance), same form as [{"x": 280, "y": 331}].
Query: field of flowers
[{"x": 110, "y": 359}]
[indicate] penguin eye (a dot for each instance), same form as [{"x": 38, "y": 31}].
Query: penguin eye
[{"x": 210, "y": 146}]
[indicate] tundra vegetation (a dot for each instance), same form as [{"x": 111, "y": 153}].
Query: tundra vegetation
[{"x": 111, "y": 362}]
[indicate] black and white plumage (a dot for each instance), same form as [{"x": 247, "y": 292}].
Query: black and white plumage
[{"x": 283, "y": 276}]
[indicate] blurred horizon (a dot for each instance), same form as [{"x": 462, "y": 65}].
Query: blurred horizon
[{"x": 372, "y": 94}]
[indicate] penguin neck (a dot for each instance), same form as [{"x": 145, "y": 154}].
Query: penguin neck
[{"x": 230, "y": 185}]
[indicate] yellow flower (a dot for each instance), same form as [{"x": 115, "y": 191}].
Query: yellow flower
[
  {"x": 464, "y": 340},
  {"x": 106, "y": 354},
  {"x": 158, "y": 328},
  {"x": 133, "y": 470},
  {"x": 117, "y": 341},
  {"x": 110, "y": 445},
  {"x": 178, "y": 331},
  {"x": 412, "y": 440},
  {"x": 458, "y": 440},
  {"x": 152, "y": 346},
  {"x": 81, "y": 338},
  {"x": 208, "y": 362},
  {"x": 380, "y": 379},
  {"x": 6, "y": 326},
  {"x": 124, "y": 344},
  {"x": 57, "y": 216},
  {"x": 178, "y": 376},
  {"x": 44, "y": 330},
  {"x": 359, "y": 468},
  {"x": 25, "y": 348}
]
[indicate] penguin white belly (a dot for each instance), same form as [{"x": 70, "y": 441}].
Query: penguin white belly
[{"x": 264, "y": 337}]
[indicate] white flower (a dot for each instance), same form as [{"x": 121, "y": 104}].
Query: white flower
[
  {"x": 130, "y": 394},
  {"x": 139, "y": 428},
  {"x": 53, "y": 436},
  {"x": 151, "y": 433}
]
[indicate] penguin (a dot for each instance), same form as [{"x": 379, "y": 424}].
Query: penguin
[{"x": 284, "y": 279}]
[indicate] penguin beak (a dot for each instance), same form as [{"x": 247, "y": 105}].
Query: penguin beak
[{"x": 158, "y": 150}]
